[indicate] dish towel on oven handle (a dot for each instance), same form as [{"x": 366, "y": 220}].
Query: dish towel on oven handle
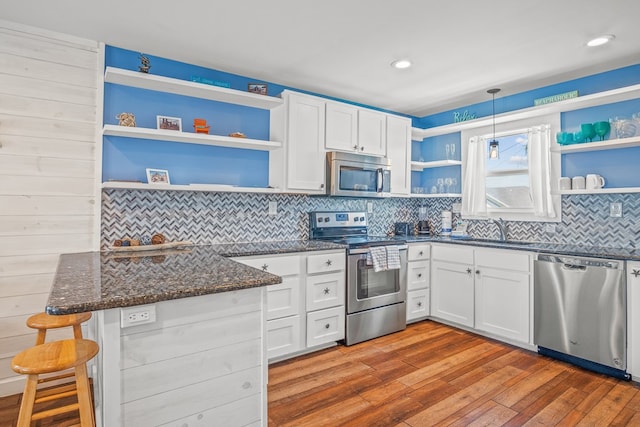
[
  {"x": 383, "y": 258},
  {"x": 377, "y": 257},
  {"x": 393, "y": 258}
]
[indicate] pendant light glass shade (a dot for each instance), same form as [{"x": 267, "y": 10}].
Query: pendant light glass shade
[{"x": 494, "y": 146}]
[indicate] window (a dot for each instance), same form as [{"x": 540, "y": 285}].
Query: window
[{"x": 520, "y": 183}]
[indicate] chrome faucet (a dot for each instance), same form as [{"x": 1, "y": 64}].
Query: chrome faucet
[{"x": 502, "y": 227}]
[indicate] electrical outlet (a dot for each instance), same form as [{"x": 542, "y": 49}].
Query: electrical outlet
[
  {"x": 369, "y": 207},
  {"x": 615, "y": 210},
  {"x": 273, "y": 208},
  {"x": 456, "y": 208},
  {"x": 137, "y": 315}
]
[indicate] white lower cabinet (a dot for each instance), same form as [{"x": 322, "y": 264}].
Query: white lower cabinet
[
  {"x": 633, "y": 319},
  {"x": 418, "y": 281},
  {"x": 307, "y": 308},
  {"x": 483, "y": 288}
]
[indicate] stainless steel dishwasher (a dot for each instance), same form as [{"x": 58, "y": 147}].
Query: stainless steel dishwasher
[{"x": 580, "y": 312}]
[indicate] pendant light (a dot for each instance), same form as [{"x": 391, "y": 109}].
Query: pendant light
[{"x": 494, "y": 152}]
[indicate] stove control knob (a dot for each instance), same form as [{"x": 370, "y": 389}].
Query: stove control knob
[
  {"x": 320, "y": 219},
  {"x": 355, "y": 219},
  {"x": 361, "y": 218},
  {"x": 326, "y": 219}
]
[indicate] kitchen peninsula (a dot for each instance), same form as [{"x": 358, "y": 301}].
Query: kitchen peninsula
[{"x": 198, "y": 352}]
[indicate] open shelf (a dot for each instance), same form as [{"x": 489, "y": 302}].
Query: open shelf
[
  {"x": 189, "y": 187},
  {"x": 601, "y": 145},
  {"x": 418, "y": 166},
  {"x": 621, "y": 190},
  {"x": 187, "y": 88},
  {"x": 606, "y": 97},
  {"x": 190, "y": 138}
]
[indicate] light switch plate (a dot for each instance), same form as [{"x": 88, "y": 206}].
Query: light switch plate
[
  {"x": 615, "y": 210},
  {"x": 369, "y": 207},
  {"x": 273, "y": 208}
]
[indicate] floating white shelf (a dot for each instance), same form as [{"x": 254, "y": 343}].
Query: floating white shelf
[
  {"x": 621, "y": 190},
  {"x": 187, "y": 88},
  {"x": 606, "y": 97},
  {"x": 418, "y": 166},
  {"x": 191, "y": 138},
  {"x": 601, "y": 145},
  {"x": 435, "y": 196},
  {"x": 190, "y": 187}
]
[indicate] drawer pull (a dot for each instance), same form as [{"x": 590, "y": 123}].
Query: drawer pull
[
  {"x": 419, "y": 275},
  {"x": 327, "y": 291},
  {"x": 264, "y": 267},
  {"x": 419, "y": 303},
  {"x": 329, "y": 262},
  {"x": 327, "y": 326},
  {"x": 636, "y": 273},
  {"x": 421, "y": 253}
]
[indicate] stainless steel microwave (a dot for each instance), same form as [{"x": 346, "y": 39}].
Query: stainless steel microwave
[{"x": 356, "y": 175}]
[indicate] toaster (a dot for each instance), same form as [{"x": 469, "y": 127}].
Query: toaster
[{"x": 403, "y": 228}]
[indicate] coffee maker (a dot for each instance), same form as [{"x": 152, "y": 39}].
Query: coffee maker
[{"x": 423, "y": 222}]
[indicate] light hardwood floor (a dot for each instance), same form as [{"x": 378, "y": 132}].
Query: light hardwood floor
[{"x": 432, "y": 374}]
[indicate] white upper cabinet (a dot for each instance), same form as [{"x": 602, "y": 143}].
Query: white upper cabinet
[
  {"x": 352, "y": 129},
  {"x": 300, "y": 124},
  {"x": 399, "y": 152},
  {"x": 341, "y": 127}
]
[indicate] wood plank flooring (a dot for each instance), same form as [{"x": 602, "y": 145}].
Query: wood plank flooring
[{"x": 434, "y": 375}]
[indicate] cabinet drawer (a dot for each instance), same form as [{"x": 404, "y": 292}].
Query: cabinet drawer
[
  {"x": 418, "y": 252},
  {"x": 417, "y": 304},
  {"x": 502, "y": 259},
  {"x": 283, "y": 299},
  {"x": 324, "y": 326},
  {"x": 453, "y": 253},
  {"x": 325, "y": 290},
  {"x": 283, "y": 336},
  {"x": 417, "y": 275},
  {"x": 326, "y": 262},
  {"x": 286, "y": 265}
]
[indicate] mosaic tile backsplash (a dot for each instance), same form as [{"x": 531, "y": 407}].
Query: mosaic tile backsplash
[{"x": 205, "y": 217}]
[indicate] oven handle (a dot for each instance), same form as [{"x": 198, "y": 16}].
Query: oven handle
[{"x": 359, "y": 251}]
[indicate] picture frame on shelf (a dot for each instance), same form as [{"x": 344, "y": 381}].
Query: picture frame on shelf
[
  {"x": 169, "y": 123},
  {"x": 158, "y": 176},
  {"x": 259, "y": 88}
]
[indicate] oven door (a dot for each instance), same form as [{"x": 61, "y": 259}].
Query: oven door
[{"x": 367, "y": 289}]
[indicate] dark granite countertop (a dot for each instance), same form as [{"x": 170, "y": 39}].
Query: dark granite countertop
[
  {"x": 101, "y": 280},
  {"x": 630, "y": 254}
]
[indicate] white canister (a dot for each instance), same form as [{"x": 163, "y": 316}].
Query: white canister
[{"x": 446, "y": 223}]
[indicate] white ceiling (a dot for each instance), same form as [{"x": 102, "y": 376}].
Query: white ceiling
[{"x": 343, "y": 48}]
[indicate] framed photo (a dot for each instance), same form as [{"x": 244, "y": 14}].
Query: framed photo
[
  {"x": 157, "y": 176},
  {"x": 259, "y": 88},
  {"x": 169, "y": 123}
]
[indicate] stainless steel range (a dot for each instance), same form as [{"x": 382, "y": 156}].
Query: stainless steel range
[{"x": 375, "y": 299}]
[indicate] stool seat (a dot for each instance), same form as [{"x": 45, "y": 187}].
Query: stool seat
[
  {"x": 44, "y": 321},
  {"x": 54, "y": 356},
  {"x": 49, "y": 321}
]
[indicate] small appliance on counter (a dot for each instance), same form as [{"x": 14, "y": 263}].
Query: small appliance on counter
[
  {"x": 403, "y": 229},
  {"x": 423, "y": 228}
]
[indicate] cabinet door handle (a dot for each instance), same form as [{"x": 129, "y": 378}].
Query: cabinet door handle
[
  {"x": 355, "y": 147},
  {"x": 469, "y": 271},
  {"x": 635, "y": 273},
  {"x": 478, "y": 272},
  {"x": 265, "y": 267},
  {"x": 361, "y": 148},
  {"x": 321, "y": 185},
  {"x": 329, "y": 262},
  {"x": 327, "y": 291},
  {"x": 419, "y": 275},
  {"x": 419, "y": 303}
]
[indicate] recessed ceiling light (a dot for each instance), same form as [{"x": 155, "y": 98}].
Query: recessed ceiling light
[
  {"x": 600, "y": 40},
  {"x": 401, "y": 64}
]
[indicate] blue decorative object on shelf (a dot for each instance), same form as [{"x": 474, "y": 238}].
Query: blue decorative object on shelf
[
  {"x": 206, "y": 81},
  {"x": 145, "y": 240}
]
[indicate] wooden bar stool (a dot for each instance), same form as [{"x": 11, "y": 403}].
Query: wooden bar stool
[
  {"x": 49, "y": 358},
  {"x": 44, "y": 321}
]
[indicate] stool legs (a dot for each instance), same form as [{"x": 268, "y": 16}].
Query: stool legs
[
  {"x": 84, "y": 396},
  {"x": 28, "y": 398}
]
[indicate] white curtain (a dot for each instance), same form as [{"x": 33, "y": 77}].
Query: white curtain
[
  {"x": 539, "y": 167},
  {"x": 474, "y": 196}
]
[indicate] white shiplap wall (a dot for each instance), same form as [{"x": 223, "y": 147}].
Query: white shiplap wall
[{"x": 50, "y": 113}]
